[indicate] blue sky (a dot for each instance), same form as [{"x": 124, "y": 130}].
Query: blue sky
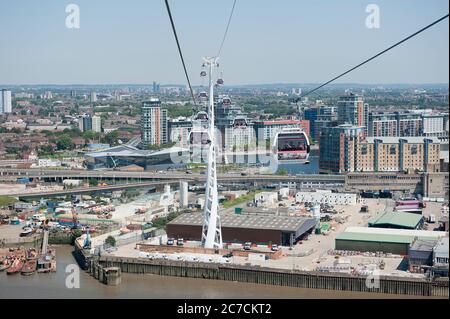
[{"x": 289, "y": 41}]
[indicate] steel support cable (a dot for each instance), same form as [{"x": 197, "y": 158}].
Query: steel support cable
[
  {"x": 373, "y": 57},
  {"x": 179, "y": 51},
  {"x": 226, "y": 30}
]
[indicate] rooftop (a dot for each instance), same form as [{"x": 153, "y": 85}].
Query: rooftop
[
  {"x": 423, "y": 245},
  {"x": 442, "y": 246},
  {"x": 385, "y": 238},
  {"x": 283, "y": 223},
  {"x": 399, "y": 219},
  {"x": 128, "y": 150},
  {"x": 395, "y": 140},
  {"x": 423, "y": 234}
]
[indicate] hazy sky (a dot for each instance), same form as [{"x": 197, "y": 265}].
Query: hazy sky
[{"x": 295, "y": 41}]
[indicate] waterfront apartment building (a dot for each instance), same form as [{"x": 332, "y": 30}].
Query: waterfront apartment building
[
  {"x": 154, "y": 123},
  {"x": 397, "y": 124},
  {"x": 435, "y": 124},
  {"x": 318, "y": 117},
  {"x": 352, "y": 110},
  {"x": 382, "y": 124},
  {"x": 338, "y": 147},
  {"x": 344, "y": 149},
  {"x": 5, "y": 101},
  {"x": 395, "y": 154},
  {"x": 179, "y": 129},
  {"x": 408, "y": 124},
  {"x": 90, "y": 123}
]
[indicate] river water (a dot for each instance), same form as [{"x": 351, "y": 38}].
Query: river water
[{"x": 151, "y": 287}]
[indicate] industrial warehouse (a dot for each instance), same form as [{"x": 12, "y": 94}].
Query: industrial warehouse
[
  {"x": 394, "y": 241},
  {"x": 279, "y": 230},
  {"x": 397, "y": 220}
]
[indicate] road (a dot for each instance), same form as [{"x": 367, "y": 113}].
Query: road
[
  {"x": 86, "y": 190},
  {"x": 11, "y": 174}
]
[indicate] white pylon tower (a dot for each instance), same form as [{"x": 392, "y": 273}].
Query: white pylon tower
[{"x": 212, "y": 230}]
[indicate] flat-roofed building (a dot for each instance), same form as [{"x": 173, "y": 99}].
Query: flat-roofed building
[
  {"x": 154, "y": 127},
  {"x": 440, "y": 257},
  {"x": 338, "y": 147},
  {"x": 281, "y": 230},
  {"x": 371, "y": 239},
  {"x": 420, "y": 255},
  {"x": 326, "y": 197},
  {"x": 397, "y": 220}
]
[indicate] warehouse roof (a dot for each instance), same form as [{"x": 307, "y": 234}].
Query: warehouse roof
[
  {"x": 412, "y": 232},
  {"x": 387, "y": 235},
  {"x": 423, "y": 245},
  {"x": 385, "y": 238},
  {"x": 284, "y": 223},
  {"x": 442, "y": 246},
  {"x": 398, "y": 219}
]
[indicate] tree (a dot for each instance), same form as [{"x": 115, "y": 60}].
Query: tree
[
  {"x": 111, "y": 241},
  {"x": 282, "y": 171},
  {"x": 64, "y": 142},
  {"x": 91, "y": 135},
  {"x": 7, "y": 200},
  {"x": 111, "y": 138}
]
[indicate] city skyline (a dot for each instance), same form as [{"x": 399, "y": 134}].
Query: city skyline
[{"x": 301, "y": 50}]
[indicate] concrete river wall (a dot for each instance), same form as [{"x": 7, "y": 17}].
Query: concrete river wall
[{"x": 268, "y": 276}]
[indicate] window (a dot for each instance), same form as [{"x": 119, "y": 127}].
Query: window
[
  {"x": 364, "y": 150},
  {"x": 392, "y": 150}
]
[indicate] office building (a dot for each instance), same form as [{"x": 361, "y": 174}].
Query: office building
[
  {"x": 5, "y": 101},
  {"x": 154, "y": 123}
]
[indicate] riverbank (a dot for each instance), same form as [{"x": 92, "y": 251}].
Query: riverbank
[{"x": 147, "y": 286}]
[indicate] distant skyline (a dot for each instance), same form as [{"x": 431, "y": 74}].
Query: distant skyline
[{"x": 286, "y": 41}]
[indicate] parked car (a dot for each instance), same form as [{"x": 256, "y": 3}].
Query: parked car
[
  {"x": 170, "y": 241},
  {"x": 229, "y": 255},
  {"x": 275, "y": 247},
  {"x": 180, "y": 242},
  {"x": 248, "y": 246}
]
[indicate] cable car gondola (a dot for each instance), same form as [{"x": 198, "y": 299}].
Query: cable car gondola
[
  {"x": 201, "y": 116},
  {"x": 291, "y": 146}
]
